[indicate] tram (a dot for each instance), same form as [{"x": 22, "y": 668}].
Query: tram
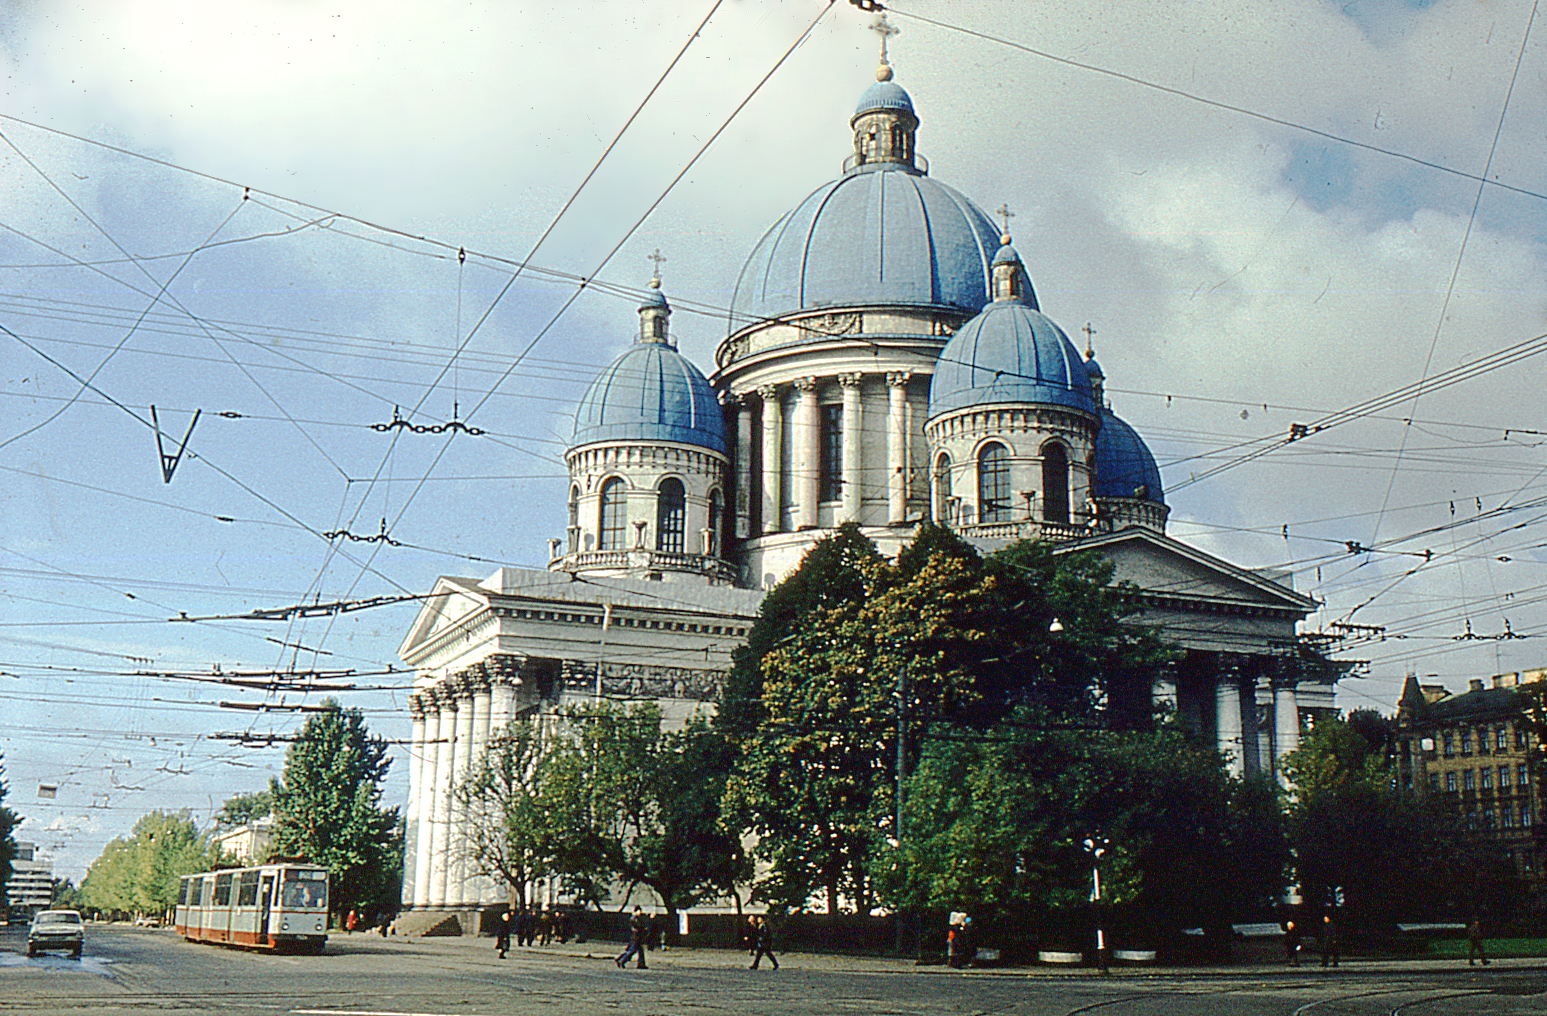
[{"x": 268, "y": 906}]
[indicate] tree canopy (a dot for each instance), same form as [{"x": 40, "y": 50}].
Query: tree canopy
[
  {"x": 9, "y": 820},
  {"x": 138, "y": 874},
  {"x": 327, "y": 809},
  {"x": 240, "y": 809}
]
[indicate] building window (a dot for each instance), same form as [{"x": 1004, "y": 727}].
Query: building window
[
  {"x": 574, "y": 519},
  {"x": 1450, "y": 746},
  {"x": 716, "y": 522},
  {"x": 1434, "y": 782},
  {"x": 671, "y": 517},
  {"x": 994, "y": 484},
  {"x": 1469, "y": 779},
  {"x": 1522, "y": 775},
  {"x": 614, "y": 517},
  {"x": 1520, "y": 739},
  {"x": 1055, "y": 483},
  {"x": 1487, "y": 778},
  {"x": 1471, "y": 819},
  {"x": 1450, "y": 781},
  {"x": 1482, "y": 740},
  {"x": 831, "y": 469},
  {"x": 1466, "y": 742},
  {"x": 1490, "y": 818},
  {"x": 1525, "y": 816},
  {"x": 1507, "y": 817},
  {"x": 1501, "y": 739},
  {"x": 943, "y": 490},
  {"x": 1503, "y": 777}
]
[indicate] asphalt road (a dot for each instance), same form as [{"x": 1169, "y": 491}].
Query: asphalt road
[{"x": 130, "y": 970}]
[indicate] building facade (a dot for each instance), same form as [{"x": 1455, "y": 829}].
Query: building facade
[
  {"x": 885, "y": 363},
  {"x": 31, "y": 887},
  {"x": 1477, "y": 754}
]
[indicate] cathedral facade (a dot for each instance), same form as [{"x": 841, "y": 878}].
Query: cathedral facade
[{"x": 886, "y": 362}]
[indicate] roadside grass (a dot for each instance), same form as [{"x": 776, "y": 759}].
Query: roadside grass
[{"x": 1496, "y": 948}]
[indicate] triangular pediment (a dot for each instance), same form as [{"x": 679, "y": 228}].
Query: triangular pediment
[
  {"x": 452, "y": 600},
  {"x": 1168, "y": 568}
]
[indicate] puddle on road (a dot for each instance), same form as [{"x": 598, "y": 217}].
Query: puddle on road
[{"x": 85, "y": 965}]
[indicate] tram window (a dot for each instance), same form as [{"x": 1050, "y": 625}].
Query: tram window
[
  {"x": 223, "y": 890},
  {"x": 182, "y": 891},
  {"x": 247, "y": 890},
  {"x": 207, "y": 891},
  {"x": 304, "y": 889}
]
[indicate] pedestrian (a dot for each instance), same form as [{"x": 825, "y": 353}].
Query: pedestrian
[
  {"x": 764, "y": 942},
  {"x": 1474, "y": 942},
  {"x": 956, "y": 941},
  {"x": 638, "y": 933},
  {"x": 749, "y": 935},
  {"x": 1292, "y": 943},
  {"x": 1331, "y": 941},
  {"x": 350, "y": 921},
  {"x": 545, "y": 925},
  {"x": 505, "y": 921}
]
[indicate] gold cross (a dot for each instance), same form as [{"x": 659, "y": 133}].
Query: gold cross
[
  {"x": 885, "y": 30},
  {"x": 1003, "y": 211},
  {"x": 1090, "y": 335},
  {"x": 657, "y": 257}
]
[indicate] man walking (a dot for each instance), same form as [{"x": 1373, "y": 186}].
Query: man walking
[
  {"x": 763, "y": 942},
  {"x": 1331, "y": 941},
  {"x": 502, "y": 933},
  {"x": 1474, "y": 942},
  {"x": 638, "y": 932}
]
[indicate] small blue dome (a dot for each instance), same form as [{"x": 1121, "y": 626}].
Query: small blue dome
[
  {"x": 884, "y": 95},
  {"x": 1094, "y": 369},
  {"x": 1010, "y": 353},
  {"x": 1124, "y": 463},
  {"x": 888, "y": 237},
  {"x": 650, "y": 393},
  {"x": 1007, "y": 255}
]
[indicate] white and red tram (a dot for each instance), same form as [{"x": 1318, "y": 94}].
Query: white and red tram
[{"x": 269, "y": 906}]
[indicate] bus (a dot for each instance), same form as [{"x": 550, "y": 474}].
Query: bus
[{"x": 267, "y": 906}]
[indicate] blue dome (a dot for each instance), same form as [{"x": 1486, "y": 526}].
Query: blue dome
[
  {"x": 884, "y": 95},
  {"x": 1010, "y": 353},
  {"x": 880, "y": 236},
  {"x": 1124, "y": 462},
  {"x": 650, "y": 393}
]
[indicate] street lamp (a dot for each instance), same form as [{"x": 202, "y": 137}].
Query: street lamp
[{"x": 1096, "y": 847}]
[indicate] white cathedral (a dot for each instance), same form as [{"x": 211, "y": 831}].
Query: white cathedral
[{"x": 886, "y": 363}]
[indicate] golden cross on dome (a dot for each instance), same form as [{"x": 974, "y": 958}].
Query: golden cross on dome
[
  {"x": 1003, "y": 211},
  {"x": 1090, "y": 335},
  {"x": 885, "y": 30},
  {"x": 657, "y": 257}
]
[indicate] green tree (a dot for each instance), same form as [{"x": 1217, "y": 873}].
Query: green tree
[
  {"x": 512, "y": 831},
  {"x": 243, "y": 808},
  {"x": 139, "y": 874},
  {"x": 1354, "y": 832},
  {"x": 327, "y": 809},
  {"x": 9, "y": 820}
]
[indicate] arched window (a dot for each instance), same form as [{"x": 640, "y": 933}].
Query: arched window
[
  {"x": 574, "y": 519},
  {"x": 614, "y": 517},
  {"x": 994, "y": 483},
  {"x": 716, "y": 520},
  {"x": 671, "y": 517},
  {"x": 1055, "y": 483},
  {"x": 943, "y": 490}
]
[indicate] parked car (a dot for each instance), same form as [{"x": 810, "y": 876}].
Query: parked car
[{"x": 56, "y": 931}]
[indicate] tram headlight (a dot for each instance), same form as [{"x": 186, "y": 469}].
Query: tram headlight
[{"x": 284, "y": 926}]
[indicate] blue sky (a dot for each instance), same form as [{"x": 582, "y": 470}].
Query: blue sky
[{"x": 1241, "y": 273}]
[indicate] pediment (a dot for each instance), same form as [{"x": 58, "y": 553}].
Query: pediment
[
  {"x": 452, "y": 600},
  {"x": 1168, "y": 568}
]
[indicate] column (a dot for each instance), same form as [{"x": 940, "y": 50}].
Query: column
[
  {"x": 1227, "y": 719},
  {"x": 1286, "y": 724},
  {"x": 773, "y": 428},
  {"x": 807, "y": 466},
  {"x": 482, "y": 703},
  {"x": 853, "y": 424},
  {"x": 1163, "y": 691},
  {"x": 896, "y": 447},
  {"x": 415, "y": 788},
  {"x": 444, "y": 754},
  {"x": 457, "y": 862},
  {"x": 424, "y": 800},
  {"x": 743, "y": 467},
  {"x": 502, "y": 696}
]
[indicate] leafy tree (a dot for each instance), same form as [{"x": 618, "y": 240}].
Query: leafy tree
[
  {"x": 243, "y": 808},
  {"x": 9, "y": 820},
  {"x": 327, "y": 809},
  {"x": 139, "y": 874},
  {"x": 512, "y": 832},
  {"x": 1391, "y": 856}
]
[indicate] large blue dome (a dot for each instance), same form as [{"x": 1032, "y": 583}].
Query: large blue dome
[
  {"x": 1011, "y": 352},
  {"x": 1124, "y": 463},
  {"x": 883, "y": 235},
  {"x": 651, "y": 393}
]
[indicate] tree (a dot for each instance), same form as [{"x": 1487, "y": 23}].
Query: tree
[
  {"x": 512, "y": 832},
  {"x": 9, "y": 820},
  {"x": 243, "y": 808},
  {"x": 139, "y": 874},
  {"x": 859, "y": 655},
  {"x": 327, "y": 809}
]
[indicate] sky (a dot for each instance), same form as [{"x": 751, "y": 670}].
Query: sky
[{"x": 287, "y": 216}]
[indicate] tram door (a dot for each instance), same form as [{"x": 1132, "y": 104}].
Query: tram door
[{"x": 266, "y": 896}]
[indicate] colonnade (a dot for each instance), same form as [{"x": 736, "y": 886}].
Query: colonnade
[
  {"x": 452, "y": 721},
  {"x": 800, "y": 483}
]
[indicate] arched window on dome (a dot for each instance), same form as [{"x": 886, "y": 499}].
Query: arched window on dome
[
  {"x": 574, "y": 519},
  {"x": 994, "y": 483},
  {"x": 670, "y": 517},
  {"x": 613, "y": 517},
  {"x": 943, "y": 490},
  {"x": 716, "y": 522},
  {"x": 1055, "y": 483}
]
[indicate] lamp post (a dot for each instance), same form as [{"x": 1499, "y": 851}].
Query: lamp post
[{"x": 1096, "y": 847}]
